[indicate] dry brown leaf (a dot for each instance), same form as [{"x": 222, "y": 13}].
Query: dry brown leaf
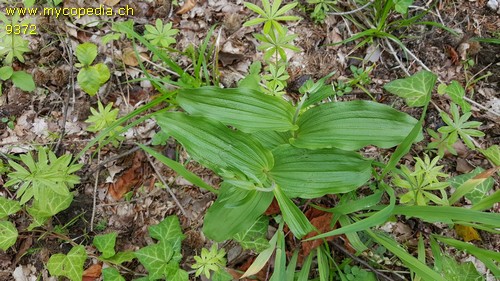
[
  {"x": 453, "y": 54},
  {"x": 188, "y": 6},
  {"x": 467, "y": 233},
  {"x": 486, "y": 174},
  {"x": 130, "y": 178},
  {"x": 111, "y": 3},
  {"x": 92, "y": 273},
  {"x": 321, "y": 222},
  {"x": 129, "y": 58},
  {"x": 273, "y": 209}
]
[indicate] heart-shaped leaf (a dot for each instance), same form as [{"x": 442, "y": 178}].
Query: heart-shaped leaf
[
  {"x": 413, "y": 89},
  {"x": 70, "y": 265}
]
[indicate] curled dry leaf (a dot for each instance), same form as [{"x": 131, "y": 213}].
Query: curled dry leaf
[
  {"x": 130, "y": 178},
  {"x": 452, "y": 54},
  {"x": 92, "y": 273},
  {"x": 321, "y": 221},
  {"x": 188, "y": 6}
]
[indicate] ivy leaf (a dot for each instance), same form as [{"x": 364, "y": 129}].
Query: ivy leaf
[
  {"x": 111, "y": 274},
  {"x": 156, "y": 258},
  {"x": 120, "y": 257},
  {"x": 168, "y": 230},
  {"x": 254, "y": 237},
  {"x": 8, "y": 207},
  {"x": 8, "y": 235},
  {"x": 413, "y": 89},
  {"x": 106, "y": 244},
  {"x": 457, "y": 94},
  {"x": 70, "y": 265}
]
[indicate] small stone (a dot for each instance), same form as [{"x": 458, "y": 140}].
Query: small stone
[{"x": 492, "y": 4}]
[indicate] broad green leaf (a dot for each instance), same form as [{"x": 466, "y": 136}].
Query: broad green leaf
[
  {"x": 8, "y": 235},
  {"x": 111, "y": 274},
  {"x": 414, "y": 264},
  {"x": 480, "y": 191},
  {"x": 293, "y": 216},
  {"x": 352, "y": 125},
  {"x": 70, "y": 265},
  {"x": 103, "y": 71},
  {"x": 179, "y": 169},
  {"x": 86, "y": 53},
  {"x": 487, "y": 202},
  {"x": 23, "y": 81},
  {"x": 413, "y": 89},
  {"x": 105, "y": 244},
  {"x": 88, "y": 78},
  {"x": 219, "y": 148},
  {"x": 6, "y": 72},
  {"x": 8, "y": 207},
  {"x": 313, "y": 173},
  {"x": 493, "y": 154},
  {"x": 155, "y": 258},
  {"x": 50, "y": 203},
  {"x": 254, "y": 237},
  {"x": 169, "y": 230},
  {"x": 272, "y": 139},
  {"x": 243, "y": 108},
  {"x": 457, "y": 94},
  {"x": 234, "y": 210}
]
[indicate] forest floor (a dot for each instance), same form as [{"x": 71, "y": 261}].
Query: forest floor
[{"x": 121, "y": 187}]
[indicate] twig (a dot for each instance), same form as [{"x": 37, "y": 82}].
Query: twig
[
  {"x": 162, "y": 179},
  {"x": 66, "y": 98},
  {"x": 377, "y": 272},
  {"x": 353, "y": 11}
]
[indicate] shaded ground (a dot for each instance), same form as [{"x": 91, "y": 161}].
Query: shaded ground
[{"x": 40, "y": 116}]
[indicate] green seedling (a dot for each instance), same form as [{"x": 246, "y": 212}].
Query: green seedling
[
  {"x": 420, "y": 183},
  {"x": 321, "y": 9},
  {"x": 211, "y": 262},
  {"x": 458, "y": 126},
  {"x": 9, "y": 121},
  {"x": 271, "y": 16},
  {"x": 91, "y": 77},
  {"x": 47, "y": 180},
  {"x": 12, "y": 44},
  {"x": 274, "y": 43},
  {"x": 20, "y": 79},
  {"x": 160, "y": 35},
  {"x": 102, "y": 118}
]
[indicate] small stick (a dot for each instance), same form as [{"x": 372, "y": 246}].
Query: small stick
[{"x": 160, "y": 177}]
